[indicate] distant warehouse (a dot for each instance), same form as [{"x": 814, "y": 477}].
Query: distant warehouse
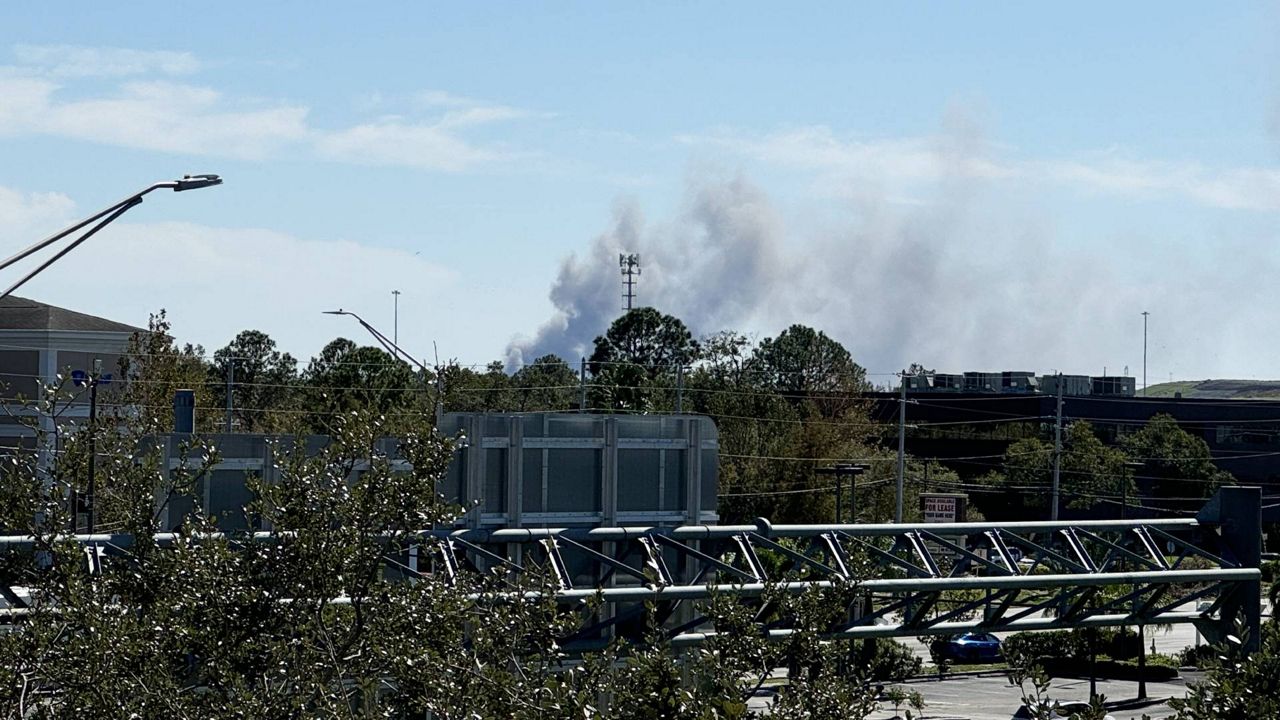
[{"x": 1022, "y": 382}]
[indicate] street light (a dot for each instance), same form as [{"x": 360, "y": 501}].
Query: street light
[
  {"x": 840, "y": 471},
  {"x": 395, "y": 326},
  {"x": 383, "y": 340},
  {"x": 106, "y": 216}
]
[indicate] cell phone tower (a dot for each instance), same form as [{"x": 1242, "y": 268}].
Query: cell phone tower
[{"x": 630, "y": 266}]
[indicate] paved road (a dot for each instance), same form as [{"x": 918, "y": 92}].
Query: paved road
[
  {"x": 1169, "y": 641},
  {"x": 993, "y": 698}
]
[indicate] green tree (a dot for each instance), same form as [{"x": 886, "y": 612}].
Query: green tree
[
  {"x": 153, "y": 367},
  {"x": 1093, "y": 473},
  {"x": 548, "y": 383},
  {"x": 316, "y": 623},
  {"x": 635, "y": 363},
  {"x": 1177, "y": 465},
  {"x": 774, "y": 436},
  {"x": 809, "y": 368},
  {"x": 466, "y": 390},
  {"x": 265, "y": 381},
  {"x": 346, "y": 377}
]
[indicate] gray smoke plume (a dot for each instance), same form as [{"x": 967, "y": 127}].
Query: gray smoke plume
[
  {"x": 967, "y": 273},
  {"x": 711, "y": 267}
]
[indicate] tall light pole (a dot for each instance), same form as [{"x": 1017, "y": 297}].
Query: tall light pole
[
  {"x": 1144, "y": 352},
  {"x": 397, "y": 353},
  {"x": 102, "y": 218},
  {"x": 390, "y": 346},
  {"x": 902, "y": 439},
  {"x": 395, "y": 323}
]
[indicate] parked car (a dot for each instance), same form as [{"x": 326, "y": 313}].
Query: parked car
[{"x": 971, "y": 647}]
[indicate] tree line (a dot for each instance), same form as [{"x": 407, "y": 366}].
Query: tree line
[{"x": 785, "y": 406}]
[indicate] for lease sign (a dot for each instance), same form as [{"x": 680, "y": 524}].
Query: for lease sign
[{"x": 939, "y": 509}]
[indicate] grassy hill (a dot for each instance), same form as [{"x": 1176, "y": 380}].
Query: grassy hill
[{"x": 1219, "y": 389}]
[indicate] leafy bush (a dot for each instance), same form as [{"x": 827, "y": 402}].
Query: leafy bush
[
  {"x": 1027, "y": 648},
  {"x": 1238, "y": 686},
  {"x": 1270, "y": 570},
  {"x": 1198, "y": 656},
  {"x": 889, "y": 660}
]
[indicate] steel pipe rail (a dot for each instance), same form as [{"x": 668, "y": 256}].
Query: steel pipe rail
[
  {"x": 912, "y": 576},
  {"x": 951, "y": 628}
]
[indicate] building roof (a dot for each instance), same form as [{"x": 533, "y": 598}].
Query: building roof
[{"x": 22, "y": 314}]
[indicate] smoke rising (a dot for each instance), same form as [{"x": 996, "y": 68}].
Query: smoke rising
[
  {"x": 963, "y": 267},
  {"x": 712, "y": 267}
]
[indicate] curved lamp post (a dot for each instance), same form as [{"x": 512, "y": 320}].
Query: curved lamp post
[
  {"x": 390, "y": 345},
  {"x": 102, "y": 218}
]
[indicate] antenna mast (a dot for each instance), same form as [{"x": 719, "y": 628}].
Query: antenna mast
[{"x": 630, "y": 266}]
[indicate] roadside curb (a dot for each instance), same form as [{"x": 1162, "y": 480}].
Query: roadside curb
[
  {"x": 1134, "y": 704},
  {"x": 961, "y": 674}
]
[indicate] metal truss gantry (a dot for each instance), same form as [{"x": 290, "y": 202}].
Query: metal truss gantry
[
  {"x": 1028, "y": 575},
  {"x": 1019, "y": 575}
]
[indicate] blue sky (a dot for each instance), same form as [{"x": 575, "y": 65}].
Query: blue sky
[{"x": 969, "y": 186}]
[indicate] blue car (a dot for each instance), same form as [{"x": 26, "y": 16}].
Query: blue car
[{"x": 973, "y": 647}]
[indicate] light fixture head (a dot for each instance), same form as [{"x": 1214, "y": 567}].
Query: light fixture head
[{"x": 195, "y": 182}]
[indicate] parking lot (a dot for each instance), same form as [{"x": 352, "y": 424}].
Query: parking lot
[{"x": 994, "y": 698}]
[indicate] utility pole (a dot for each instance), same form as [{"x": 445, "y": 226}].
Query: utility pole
[
  {"x": 1144, "y": 352},
  {"x": 680, "y": 388},
  {"x": 582, "y": 386},
  {"x": 395, "y": 322},
  {"x": 902, "y": 445},
  {"x": 231, "y": 384},
  {"x": 630, "y": 265},
  {"x": 93, "y": 443},
  {"x": 1057, "y": 450}
]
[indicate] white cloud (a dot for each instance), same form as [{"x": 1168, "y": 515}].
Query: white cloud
[
  {"x": 161, "y": 116},
  {"x": 902, "y": 165},
  {"x": 392, "y": 141},
  {"x": 25, "y": 217},
  {"x": 82, "y": 61},
  {"x": 217, "y": 281},
  {"x": 184, "y": 118},
  {"x": 1240, "y": 188}
]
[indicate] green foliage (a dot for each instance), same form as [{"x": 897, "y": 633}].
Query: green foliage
[
  {"x": 1237, "y": 686},
  {"x": 1092, "y": 472},
  {"x": 888, "y": 660},
  {"x": 777, "y": 425},
  {"x": 265, "y": 382},
  {"x": 466, "y": 390},
  {"x": 548, "y": 383},
  {"x": 161, "y": 366},
  {"x": 1089, "y": 474},
  {"x": 1199, "y": 656},
  {"x": 1025, "y": 649},
  {"x": 346, "y": 377},
  {"x": 637, "y": 355},
  {"x": 315, "y": 623},
  {"x": 937, "y": 645},
  {"x": 1178, "y": 462},
  {"x": 900, "y": 696},
  {"x": 807, "y": 367}
]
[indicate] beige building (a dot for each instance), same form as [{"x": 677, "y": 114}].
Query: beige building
[{"x": 39, "y": 342}]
